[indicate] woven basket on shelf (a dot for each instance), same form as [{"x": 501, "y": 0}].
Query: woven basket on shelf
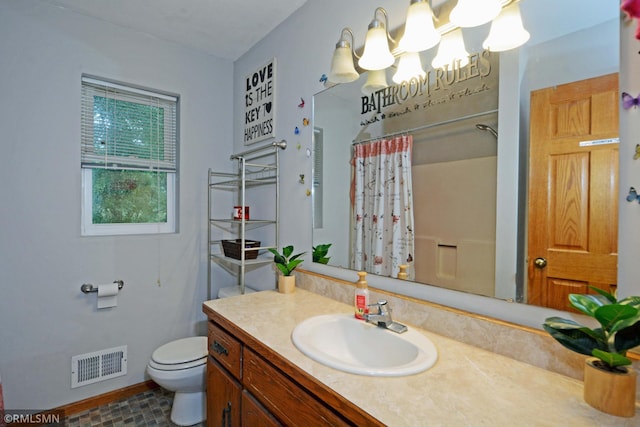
[{"x": 232, "y": 248}]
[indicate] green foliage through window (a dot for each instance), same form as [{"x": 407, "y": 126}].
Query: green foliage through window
[
  {"x": 125, "y": 196},
  {"x": 123, "y": 129}
]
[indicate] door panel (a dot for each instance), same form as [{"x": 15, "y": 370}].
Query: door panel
[{"x": 573, "y": 182}]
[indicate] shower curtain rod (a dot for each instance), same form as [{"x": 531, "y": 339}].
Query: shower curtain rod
[{"x": 423, "y": 127}]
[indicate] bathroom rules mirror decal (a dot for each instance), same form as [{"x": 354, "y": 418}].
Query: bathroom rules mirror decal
[{"x": 259, "y": 103}]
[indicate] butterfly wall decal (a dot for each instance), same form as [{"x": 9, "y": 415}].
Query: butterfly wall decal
[
  {"x": 301, "y": 105},
  {"x": 629, "y": 101},
  {"x": 633, "y": 195}
]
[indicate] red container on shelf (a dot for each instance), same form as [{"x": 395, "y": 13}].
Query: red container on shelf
[{"x": 239, "y": 213}]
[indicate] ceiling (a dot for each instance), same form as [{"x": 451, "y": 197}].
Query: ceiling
[{"x": 223, "y": 28}]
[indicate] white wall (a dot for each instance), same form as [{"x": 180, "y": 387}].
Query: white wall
[{"x": 44, "y": 317}]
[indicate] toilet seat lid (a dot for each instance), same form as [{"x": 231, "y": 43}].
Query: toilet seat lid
[{"x": 181, "y": 351}]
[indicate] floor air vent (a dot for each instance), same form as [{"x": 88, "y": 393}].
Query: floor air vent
[{"x": 101, "y": 365}]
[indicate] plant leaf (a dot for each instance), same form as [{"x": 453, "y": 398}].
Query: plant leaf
[
  {"x": 279, "y": 259},
  {"x": 296, "y": 256},
  {"x": 573, "y": 336},
  {"x": 611, "y": 359},
  {"x": 273, "y": 251},
  {"x": 287, "y": 251},
  {"x": 283, "y": 269},
  {"x": 612, "y": 317},
  {"x": 632, "y": 301},
  {"x": 627, "y": 338},
  {"x": 293, "y": 264},
  {"x": 609, "y": 296},
  {"x": 587, "y": 304}
]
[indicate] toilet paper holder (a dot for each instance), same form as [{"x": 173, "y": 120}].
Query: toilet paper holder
[{"x": 88, "y": 287}]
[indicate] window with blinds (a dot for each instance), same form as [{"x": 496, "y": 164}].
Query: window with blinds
[{"x": 128, "y": 154}]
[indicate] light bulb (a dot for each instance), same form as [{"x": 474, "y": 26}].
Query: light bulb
[
  {"x": 409, "y": 67},
  {"x": 376, "y": 55},
  {"x": 376, "y": 80},
  {"x": 342, "y": 68},
  {"x": 507, "y": 31},
  {"x": 419, "y": 32},
  {"x": 451, "y": 50}
]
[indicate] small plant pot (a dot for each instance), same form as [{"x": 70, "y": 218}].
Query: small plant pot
[
  {"x": 286, "y": 284},
  {"x": 610, "y": 392}
]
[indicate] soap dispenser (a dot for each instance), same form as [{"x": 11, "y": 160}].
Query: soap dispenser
[{"x": 361, "y": 300}]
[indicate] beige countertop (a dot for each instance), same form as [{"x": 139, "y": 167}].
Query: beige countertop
[{"x": 467, "y": 386}]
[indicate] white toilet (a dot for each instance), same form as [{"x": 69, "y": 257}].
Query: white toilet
[{"x": 180, "y": 366}]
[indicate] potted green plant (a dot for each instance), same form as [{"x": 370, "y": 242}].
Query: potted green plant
[
  {"x": 286, "y": 263},
  {"x": 320, "y": 253},
  {"x": 609, "y": 381}
]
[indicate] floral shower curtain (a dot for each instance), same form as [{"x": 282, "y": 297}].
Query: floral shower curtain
[{"x": 382, "y": 207}]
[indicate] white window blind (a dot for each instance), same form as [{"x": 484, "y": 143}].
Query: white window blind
[{"x": 127, "y": 128}]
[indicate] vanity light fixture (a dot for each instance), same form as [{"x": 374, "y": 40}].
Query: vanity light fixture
[
  {"x": 342, "y": 68},
  {"x": 451, "y": 51},
  {"x": 419, "y": 31},
  {"x": 472, "y": 13},
  {"x": 507, "y": 31},
  {"x": 377, "y": 55},
  {"x": 380, "y": 49},
  {"x": 376, "y": 80},
  {"x": 409, "y": 67}
]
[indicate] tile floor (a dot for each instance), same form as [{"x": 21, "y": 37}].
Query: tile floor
[{"x": 151, "y": 408}]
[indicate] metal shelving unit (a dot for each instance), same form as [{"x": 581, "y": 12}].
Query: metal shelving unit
[{"x": 257, "y": 167}]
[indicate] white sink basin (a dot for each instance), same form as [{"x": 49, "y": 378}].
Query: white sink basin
[{"x": 342, "y": 342}]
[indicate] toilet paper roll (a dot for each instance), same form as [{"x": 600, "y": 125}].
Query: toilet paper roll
[{"x": 107, "y": 295}]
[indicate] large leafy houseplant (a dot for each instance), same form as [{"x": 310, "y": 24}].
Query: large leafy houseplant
[
  {"x": 285, "y": 261},
  {"x": 618, "y": 331}
]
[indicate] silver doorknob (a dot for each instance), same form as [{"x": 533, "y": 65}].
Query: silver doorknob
[{"x": 540, "y": 262}]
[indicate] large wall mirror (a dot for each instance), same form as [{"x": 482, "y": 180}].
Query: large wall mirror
[{"x": 470, "y": 160}]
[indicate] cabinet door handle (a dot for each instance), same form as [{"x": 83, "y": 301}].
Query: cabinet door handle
[
  {"x": 226, "y": 416},
  {"x": 219, "y": 348}
]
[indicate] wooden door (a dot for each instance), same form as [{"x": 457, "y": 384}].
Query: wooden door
[{"x": 573, "y": 185}]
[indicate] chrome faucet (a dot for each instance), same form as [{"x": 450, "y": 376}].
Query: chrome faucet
[{"x": 382, "y": 318}]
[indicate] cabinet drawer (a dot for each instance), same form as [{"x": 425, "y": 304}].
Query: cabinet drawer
[
  {"x": 225, "y": 349},
  {"x": 287, "y": 401}
]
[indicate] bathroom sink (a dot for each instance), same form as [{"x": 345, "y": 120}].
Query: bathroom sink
[{"x": 343, "y": 342}]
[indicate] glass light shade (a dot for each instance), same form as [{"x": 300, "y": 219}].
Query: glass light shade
[
  {"x": 507, "y": 31},
  {"x": 451, "y": 50},
  {"x": 342, "y": 68},
  {"x": 376, "y": 80},
  {"x": 409, "y": 66},
  {"x": 419, "y": 32},
  {"x": 376, "y": 55},
  {"x": 471, "y": 13}
]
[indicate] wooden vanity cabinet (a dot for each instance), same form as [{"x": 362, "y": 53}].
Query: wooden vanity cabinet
[{"x": 248, "y": 384}]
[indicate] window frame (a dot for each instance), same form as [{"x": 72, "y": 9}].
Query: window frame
[{"x": 88, "y": 228}]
